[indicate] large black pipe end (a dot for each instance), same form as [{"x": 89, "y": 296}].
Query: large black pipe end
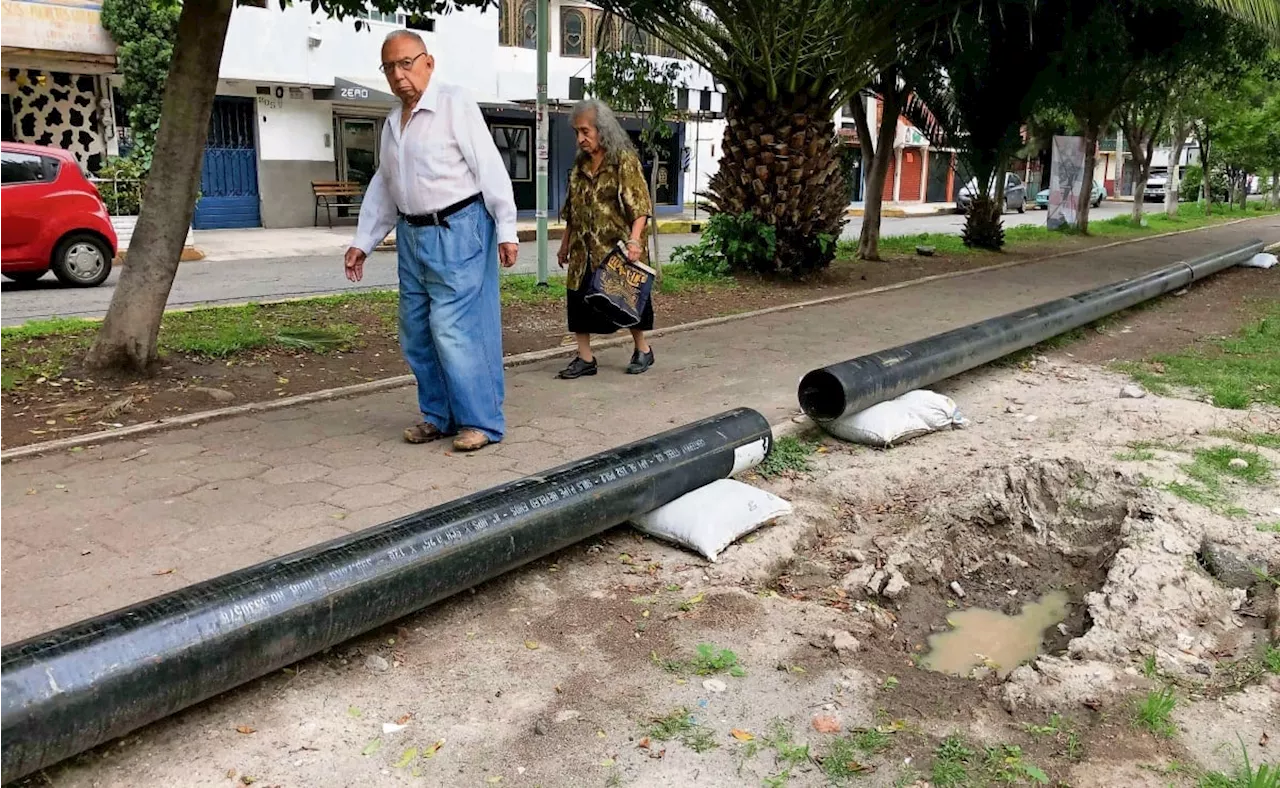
[{"x": 822, "y": 395}]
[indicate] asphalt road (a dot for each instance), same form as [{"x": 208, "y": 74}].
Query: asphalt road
[{"x": 239, "y": 281}]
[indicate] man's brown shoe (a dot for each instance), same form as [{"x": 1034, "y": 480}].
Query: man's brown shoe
[
  {"x": 470, "y": 440},
  {"x": 423, "y": 433}
]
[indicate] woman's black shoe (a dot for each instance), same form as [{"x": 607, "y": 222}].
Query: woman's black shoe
[
  {"x": 577, "y": 369},
  {"x": 640, "y": 362}
]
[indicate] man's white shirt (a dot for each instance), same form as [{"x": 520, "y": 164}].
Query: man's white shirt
[{"x": 444, "y": 154}]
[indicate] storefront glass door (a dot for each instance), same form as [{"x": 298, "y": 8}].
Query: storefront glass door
[{"x": 358, "y": 153}]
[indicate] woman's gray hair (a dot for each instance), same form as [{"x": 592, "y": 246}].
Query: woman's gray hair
[{"x": 613, "y": 139}]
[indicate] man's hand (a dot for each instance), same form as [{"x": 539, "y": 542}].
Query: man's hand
[
  {"x": 634, "y": 251},
  {"x": 355, "y": 264},
  {"x": 562, "y": 255},
  {"x": 507, "y": 254}
]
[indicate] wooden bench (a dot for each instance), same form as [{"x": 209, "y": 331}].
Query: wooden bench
[{"x": 331, "y": 194}]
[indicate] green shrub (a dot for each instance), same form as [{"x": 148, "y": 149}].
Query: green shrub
[
  {"x": 1189, "y": 188},
  {"x": 729, "y": 243},
  {"x": 121, "y": 181}
]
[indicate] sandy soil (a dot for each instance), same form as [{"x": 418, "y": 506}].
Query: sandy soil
[{"x": 553, "y": 675}]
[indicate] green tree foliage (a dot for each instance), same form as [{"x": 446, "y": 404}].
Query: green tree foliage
[{"x": 144, "y": 32}]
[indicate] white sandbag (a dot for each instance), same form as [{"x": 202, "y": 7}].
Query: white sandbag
[
  {"x": 1260, "y": 260},
  {"x": 711, "y": 518},
  {"x": 910, "y": 415}
]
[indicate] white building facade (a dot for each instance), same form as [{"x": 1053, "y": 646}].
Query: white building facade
[
  {"x": 56, "y": 60},
  {"x": 300, "y": 99}
]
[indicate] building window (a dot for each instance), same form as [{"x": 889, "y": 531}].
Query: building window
[
  {"x": 386, "y": 17},
  {"x": 635, "y": 39},
  {"x": 606, "y": 32},
  {"x": 529, "y": 25},
  {"x": 513, "y": 146},
  {"x": 573, "y": 33}
]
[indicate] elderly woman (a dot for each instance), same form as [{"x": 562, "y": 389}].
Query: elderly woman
[{"x": 607, "y": 202}]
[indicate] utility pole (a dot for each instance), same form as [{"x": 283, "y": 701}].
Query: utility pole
[{"x": 544, "y": 26}]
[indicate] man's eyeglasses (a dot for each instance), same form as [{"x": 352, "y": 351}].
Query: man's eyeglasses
[{"x": 403, "y": 64}]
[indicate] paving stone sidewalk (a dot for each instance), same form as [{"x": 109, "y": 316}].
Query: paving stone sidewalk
[{"x": 90, "y": 531}]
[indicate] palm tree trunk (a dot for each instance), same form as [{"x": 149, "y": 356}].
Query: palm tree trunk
[
  {"x": 781, "y": 165},
  {"x": 127, "y": 339}
]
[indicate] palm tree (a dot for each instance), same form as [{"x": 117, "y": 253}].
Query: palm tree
[
  {"x": 983, "y": 87},
  {"x": 785, "y": 65}
]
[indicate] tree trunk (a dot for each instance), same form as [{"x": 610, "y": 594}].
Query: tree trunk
[
  {"x": 1173, "y": 187},
  {"x": 1137, "y": 150},
  {"x": 781, "y": 165},
  {"x": 1086, "y": 185},
  {"x": 127, "y": 339},
  {"x": 1206, "y": 188},
  {"x": 1275, "y": 188},
  {"x": 653, "y": 203},
  {"x": 877, "y": 168}
]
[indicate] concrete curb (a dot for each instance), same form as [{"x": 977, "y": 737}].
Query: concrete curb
[
  {"x": 521, "y": 359},
  {"x": 190, "y": 254}
]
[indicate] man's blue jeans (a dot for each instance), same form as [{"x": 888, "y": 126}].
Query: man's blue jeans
[{"x": 451, "y": 322}]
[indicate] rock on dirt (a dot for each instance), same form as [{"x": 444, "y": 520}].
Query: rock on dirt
[
  {"x": 376, "y": 664},
  {"x": 896, "y": 587},
  {"x": 1132, "y": 391},
  {"x": 1232, "y": 566},
  {"x": 956, "y": 589},
  {"x": 217, "y": 395},
  {"x": 843, "y": 642},
  {"x": 858, "y": 580}
]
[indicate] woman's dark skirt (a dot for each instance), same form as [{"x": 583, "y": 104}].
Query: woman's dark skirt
[{"x": 584, "y": 319}]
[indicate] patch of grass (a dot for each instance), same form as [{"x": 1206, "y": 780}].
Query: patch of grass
[
  {"x": 789, "y": 455},
  {"x": 1153, "y": 712},
  {"x": 1266, "y": 440},
  {"x": 1271, "y": 659},
  {"x": 1235, "y": 372},
  {"x": 38, "y": 329},
  {"x": 943, "y": 244},
  {"x": 787, "y": 754},
  {"x": 1004, "y": 764},
  {"x": 842, "y": 759},
  {"x": 1052, "y": 728},
  {"x": 1207, "y": 472},
  {"x": 708, "y": 660},
  {"x": 1216, "y": 463},
  {"x": 1135, "y": 455},
  {"x": 1270, "y": 528},
  {"x": 1246, "y": 775},
  {"x": 1149, "y": 667},
  {"x": 951, "y": 760},
  {"x": 680, "y": 726}
]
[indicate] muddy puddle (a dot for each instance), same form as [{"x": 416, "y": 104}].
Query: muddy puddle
[{"x": 980, "y": 637}]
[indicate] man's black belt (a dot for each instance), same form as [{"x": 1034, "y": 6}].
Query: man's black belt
[{"x": 438, "y": 218}]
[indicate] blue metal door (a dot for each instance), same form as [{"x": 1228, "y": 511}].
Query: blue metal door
[{"x": 229, "y": 177}]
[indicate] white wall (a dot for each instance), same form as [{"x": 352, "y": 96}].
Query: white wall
[{"x": 270, "y": 45}]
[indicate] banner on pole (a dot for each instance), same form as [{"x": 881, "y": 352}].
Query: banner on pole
[{"x": 1066, "y": 181}]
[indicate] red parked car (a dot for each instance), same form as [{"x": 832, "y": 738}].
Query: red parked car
[{"x": 51, "y": 217}]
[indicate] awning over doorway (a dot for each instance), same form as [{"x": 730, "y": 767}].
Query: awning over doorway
[{"x": 355, "y": 91}]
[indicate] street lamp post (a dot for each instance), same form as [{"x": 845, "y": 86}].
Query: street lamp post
[{"x": 544, "y": 13}]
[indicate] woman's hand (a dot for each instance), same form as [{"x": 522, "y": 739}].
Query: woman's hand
[{"x": 634, "y": 250}]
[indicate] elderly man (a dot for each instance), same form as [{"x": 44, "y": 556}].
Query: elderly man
[{"x": 442, "y": 184}]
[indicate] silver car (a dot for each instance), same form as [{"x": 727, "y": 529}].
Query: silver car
[{"x": 1015, "y": 194}]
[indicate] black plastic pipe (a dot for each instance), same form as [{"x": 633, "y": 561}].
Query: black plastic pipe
[
  {"x": 828, "y": 393},
  {"x": 74, "y": 688}
]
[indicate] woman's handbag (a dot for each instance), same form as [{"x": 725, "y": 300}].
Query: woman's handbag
[{"x": 620, "y": 289}]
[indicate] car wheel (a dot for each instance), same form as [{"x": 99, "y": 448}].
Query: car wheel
[
  {"x": 82, "y": 260},
  {"x": 1097, "y": 202},
  {"x": 24, "y": 277}
]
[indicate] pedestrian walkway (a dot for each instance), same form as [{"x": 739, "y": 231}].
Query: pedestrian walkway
[
  {"x": 89, "y": 531},
  {"x": 258, "y": 243}
]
